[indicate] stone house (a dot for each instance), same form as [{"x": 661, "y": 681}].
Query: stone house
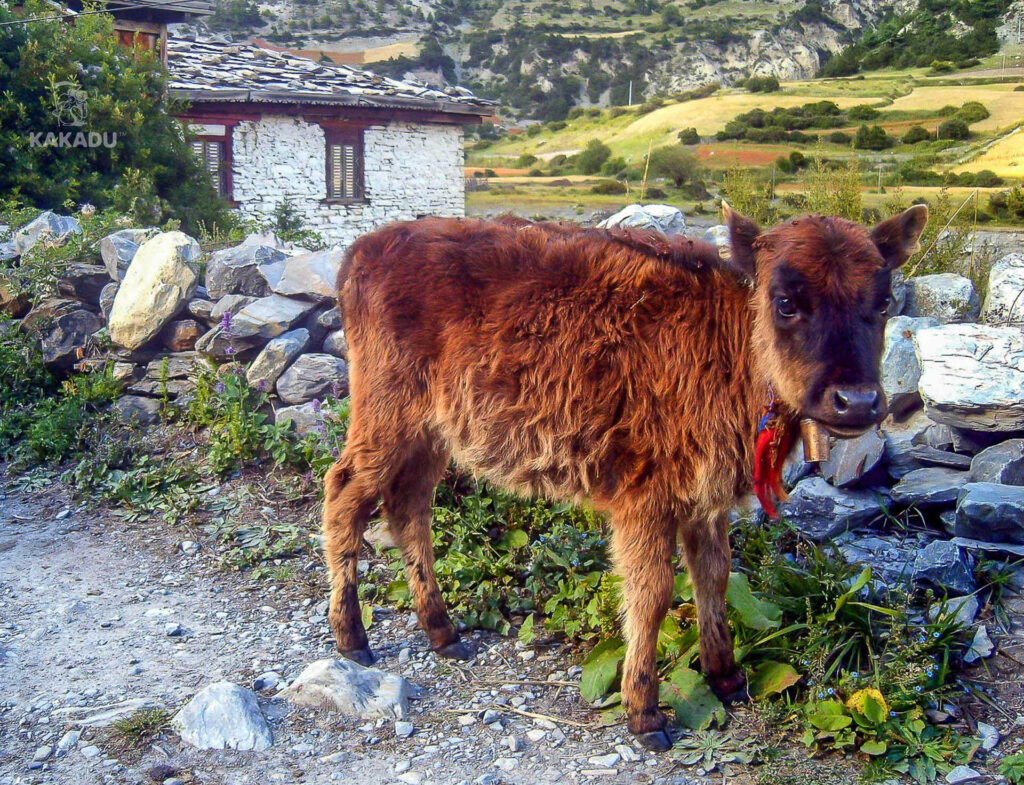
[{"x": 349, "y": 150}]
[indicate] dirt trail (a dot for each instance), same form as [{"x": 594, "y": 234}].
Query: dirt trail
[{"x": 86, "y": 604}]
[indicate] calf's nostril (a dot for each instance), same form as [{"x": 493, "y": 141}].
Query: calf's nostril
[{"x": 841, "y": 401}]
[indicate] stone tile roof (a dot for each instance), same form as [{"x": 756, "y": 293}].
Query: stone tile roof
[{"x": 216, "y": 70}]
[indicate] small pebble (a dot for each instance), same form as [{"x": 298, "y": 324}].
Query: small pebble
[
  {"x": 403, "y": 730},
  {"x": 173, "y": 630}
]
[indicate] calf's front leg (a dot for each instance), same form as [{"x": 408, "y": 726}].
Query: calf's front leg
[
  {"x": 706, "y": 545},
  {"x": 643, "y": 554}
]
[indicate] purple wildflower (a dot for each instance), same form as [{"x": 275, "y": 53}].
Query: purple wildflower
[
  {"x": 335, "y": 390},
  {"x": 229, "y": 350},
  {"x": 335, "y": 452},
  {"x": 315, "y": 403},
  {"x": 262, "y": 385},
  {"x": 220, "y": 388},
  {"x": 225, "y": 323}
]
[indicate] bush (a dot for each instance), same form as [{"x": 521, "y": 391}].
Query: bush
[
  {"x": 674, "y": 162},
  {"x": 149, "y": 173},
  {"x": 834, "y": 190},
  {"x": 617, "y": 111},
  {"x": 916, "y": 134},
  {"x": 840, "y": 137},
  {"x": 525, "y": 161},
  {"x": 608, "y": 187},
  {"x": 783, "y": 164},
  {"x": 614, "y": 166},
  {"x": 654, "y": 192},
  {"x": 862, "y": 112},
  {"x": 762, "y": 84},
  {"x": 942, "y": 67},
  {"x": 953, "y": 129},
  {"x": 973, "y": 112},
  {"x": 593, "y": 157},
  {"x": 534, "y": 130},
  {"x": 689, "y": 136},
  {"x": 873, "y": 138},
  {"x": 535, "y": 173}
]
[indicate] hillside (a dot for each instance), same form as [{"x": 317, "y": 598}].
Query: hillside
[{"x": 539, "y": 58}]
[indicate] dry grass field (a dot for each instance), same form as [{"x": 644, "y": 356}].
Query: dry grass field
[{"x": 1005, "y": 157}]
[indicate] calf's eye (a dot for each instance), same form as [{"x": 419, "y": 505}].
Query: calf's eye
[{"x": 785, "y": 307}]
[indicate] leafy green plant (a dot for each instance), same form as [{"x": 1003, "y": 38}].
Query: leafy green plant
[{"x": 1012, "y": 767}]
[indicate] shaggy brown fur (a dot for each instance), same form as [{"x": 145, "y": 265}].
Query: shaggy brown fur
[{"x": 623, "y": 368}]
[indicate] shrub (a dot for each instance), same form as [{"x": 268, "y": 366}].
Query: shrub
[
  {"x": 834, "y": 191},
  {"x": 674, "y": 162},
  {"x": 762, "y": 84},
  {"x": 150, "y": 173},
  {"x": 535, "y": 173},
  {"x": 534, "y": 129},
  {"x": 862, "y": 112},
  {"x": 654, "y": 192},
  {"x": 608, "y": 187},
  {"x": 916, "y": 134},
  {"x": 941, "y": 67},
  {"x": 593, "y": 157},
  {"x": 840, "y": 137},
  {"x": 617, "y": 111},
  {"x": 614, "y": 166},
  {"x": 750, "y": 195},
  {"x": 973, "y": 112},
  {"x": 953, "y": 128},
  {"x": 783, "y": 164},
  {"x": 525, "y": 161},
  {"x": 689, "y": 136},
  {"x": 872, "y": 138}
]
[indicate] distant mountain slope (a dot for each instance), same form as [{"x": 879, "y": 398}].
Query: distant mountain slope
[{"x": 539, "y": 58}]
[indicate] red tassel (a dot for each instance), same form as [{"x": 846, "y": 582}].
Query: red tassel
[{"x": 775, "y": 437}]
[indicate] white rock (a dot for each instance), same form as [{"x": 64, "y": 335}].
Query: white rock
[
  {"x": 159, "y": 282},
  {"x": 947, "y": 297},
  {"x": 43, "y": 753},
  {"x": 313, "y": 275},
  {"x": 411, "y": 778},
  {"x": 224, "y": 716},
  {"x": 68, "y": 740},
  {"x": 962, "y": 774},
  {"x": 506, "y": 764},
  {"x": 403, "y": 730},
  {"x": 900, "y": 367},
  {"x": 972, "y": 376},
  {"x": 90, "y": 752},
  {"x": 604, "y": 761},
  {"x": 1004, "y": 301},
  {"x": 989, "y": 736},
  {"x": 628, "y": 754},
  {"x": 47, "y": 227},
  {"x": 465, "y": 720},
  {"x": 981, "y": 647},
  {"x": 350, "y": 689},
  {"x": 657, "y": 217}
]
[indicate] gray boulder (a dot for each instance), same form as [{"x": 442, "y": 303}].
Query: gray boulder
[
  {"x": 902, "y": 440},
  {"x": 313, "y": 376},
  {"x": 305, "y": 417},
  {"x": 662, "y": 218},
  {"x": 201, "y": 310},
  {"x": 254, "y": 325},
  {"x": 991, "y": 513},
  {"x": 891, "y": 560},
  {"x": 230, "y": 303},
  {"x": 972, "y": 376},
  {"x": 900, "y": 367},
  {"x": 335, "y": 343},
  {"x": 931, "y": 456},
  {"x": 1002, "y": 463},
  {"x": 275, "y": 357},
  {"x": 137, "y": 409},
  {"x": 946, "y": 567},
  {"x": 8, "y": 251},
  {"x": 118, "y": 249},
  {"x": 84, "y": 282},
  {"x": 718, "y": 236},
  {"x": 312, "y": 275},
  {"x": 855, "y": 462},
  {"x": 49, "y": 228},
  {"x": 223, "y": 716},
  {"x": 1004, "y": 300},
  {"x": 350, "y": 689},
  {"x": 236, "y": 270},
  {"x": 898, "y": 292},
  {"x": 68, "y": 337},
  {"x": 947, "y": 297},
  {"x": 160, "y": 280},
  {"x": 820, "y": 511},
  {"x": 330, "y": 319},
  {"x": 107, "y": 295},
  {"x": 929, "y": 487},
  {"x": 44, "y": 314}
]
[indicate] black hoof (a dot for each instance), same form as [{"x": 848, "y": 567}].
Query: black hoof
[
  {"x": 459, "y": 650},
  {"x": 363, "y": 656},
  {"x": 655, "y": 740},
  {"x": 731, "y": 689}
]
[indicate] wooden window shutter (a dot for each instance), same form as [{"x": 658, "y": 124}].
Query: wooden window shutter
[{"x": 345, "y": 166}]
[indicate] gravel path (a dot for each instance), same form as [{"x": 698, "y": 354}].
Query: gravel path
[{"x": 99, "y": 617}]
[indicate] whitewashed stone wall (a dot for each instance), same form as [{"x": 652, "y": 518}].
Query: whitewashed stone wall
[{"x": 410, "y": 170}]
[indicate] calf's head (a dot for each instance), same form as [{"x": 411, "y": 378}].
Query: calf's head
[{"x": 821, "y": 290}]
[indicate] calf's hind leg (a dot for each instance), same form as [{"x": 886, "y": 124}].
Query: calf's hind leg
[
  {"x": 643, "y": 553},
  {"x": 407, "y": 505},
  {"x": 349, "y": 500},
  {"x": 706, "y": 544}
]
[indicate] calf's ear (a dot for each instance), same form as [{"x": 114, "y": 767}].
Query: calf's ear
[
  {"x": 898, "y": 238},
  {"x": 740, "y": 255}
]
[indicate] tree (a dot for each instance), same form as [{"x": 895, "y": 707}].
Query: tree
[
  {"x": 954, "y": 128},
  {"x": 689, "y": 136},
  {"x": 50, "y": 67},
  {"x": 593, "y": 157},
  {"x": 915, "y": 134},
  {"x": 674, "y": 162},
  {"x": 871, "y": 138}
]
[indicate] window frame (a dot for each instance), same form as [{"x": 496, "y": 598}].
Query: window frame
[
  {"x": 348, "y": 135},
  {"x": 224, "y": 139}
]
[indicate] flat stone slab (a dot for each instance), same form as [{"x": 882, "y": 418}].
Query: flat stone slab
[{"x": 348, "y": 688}]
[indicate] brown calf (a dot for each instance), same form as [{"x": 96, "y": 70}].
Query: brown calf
[{"x": 623, "y": 368}]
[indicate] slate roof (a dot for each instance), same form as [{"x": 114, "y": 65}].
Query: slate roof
[{"x": 211, "y": 70}]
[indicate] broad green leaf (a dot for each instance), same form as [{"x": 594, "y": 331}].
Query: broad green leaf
[
  {"x": 874, "y": 748},
  {"x": 366, "y": 611},
  {"x": 397, "y": 591},
  {"x": 771, "y": 678},
  {"x": 829, "y": 722},
  {"x": 526, "y": 633},
  {"x": 754, "y": 613},
  {"x": 691, "y": 698},
  {"x": 601, "y": 668},
  {"x": 515, "y": 539}
]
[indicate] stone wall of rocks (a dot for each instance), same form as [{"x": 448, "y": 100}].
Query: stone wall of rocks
[{"x": 410, "y": 170}]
